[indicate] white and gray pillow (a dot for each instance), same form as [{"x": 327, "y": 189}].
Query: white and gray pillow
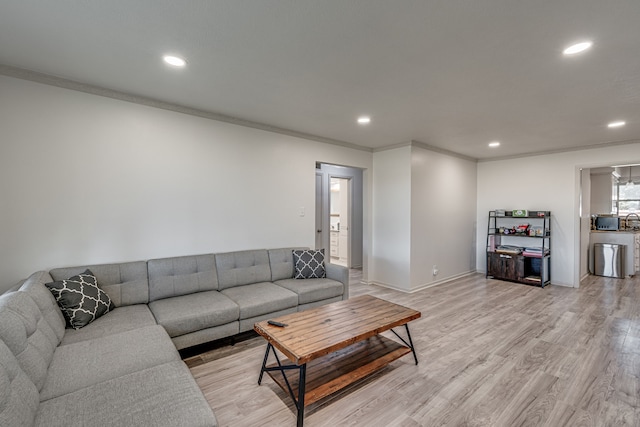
[
  {"x": 309, "y": 264},
  {"x": 80, "y": 299}
]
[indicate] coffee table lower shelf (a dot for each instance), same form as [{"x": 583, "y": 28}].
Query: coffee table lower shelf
[{"x": 335, "y": 371}]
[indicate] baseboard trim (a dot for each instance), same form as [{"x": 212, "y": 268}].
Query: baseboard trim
[
  {"x": 443, "y": 281},
  {"x": 421, "y": 287},
  {"x": 385, "y": 285}
]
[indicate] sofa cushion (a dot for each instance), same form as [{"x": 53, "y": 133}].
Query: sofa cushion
[
  {"x": 82, "y": 364},
  {"x": 311, "y": 290},
  {"x": 170, "y": 277},
  {"x": 18, "y": 395},
  {"x": 242, "y": 268},
  {"x": 281, "y": 263},
  {"x": 120, "y": 319},
  {"x": 34, "y": 285},
  {"x": 27, "y": 334},
  {"x": 303, "y": 307},
  {"x": 125, "y": 283},
  {"x": 261, "y": 298},
  {"x": 309, "y": 264},
  {"x": 248, "y": 323},
  {"x": 193, "y": 312},
  {"x": 206, "y": 335},
  {"x": 160, "y": 396},
  {"x": 80, "y": 299}
]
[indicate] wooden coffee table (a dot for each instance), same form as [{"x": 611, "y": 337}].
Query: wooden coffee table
[{"x": 332, "y": 346}]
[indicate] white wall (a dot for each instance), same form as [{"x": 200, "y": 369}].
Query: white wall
[
  {"x": 546, "y": 182},
  {"x": 443, "y": 216},
  {"x": 424, "y": 213},
  {"x": 390, "y": 259},
  {"x": 87, "y": 179}
]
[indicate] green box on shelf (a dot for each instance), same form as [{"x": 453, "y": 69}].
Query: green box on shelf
[{"x": 520, "y": 213}]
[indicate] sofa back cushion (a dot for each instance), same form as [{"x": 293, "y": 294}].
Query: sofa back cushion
[
  {"x": 242, "y": 268},
  {"x": 126, "y": 283},
  {"x": 27, "y": 334},
  {"x": 171, "y": 277},
  {"x": 19, "y": 398},
  {"x": 34, "y": 286},
  {"x": 281, "y": 263}
]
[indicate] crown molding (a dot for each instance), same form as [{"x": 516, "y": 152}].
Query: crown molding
[
  {"x": 442, "y": 151},
  {"x": 47, "y": 79},
  {"x": 414, "y": 143},
  {"x": 392, "y": 146},
  {"x": 563, "y": 150}
]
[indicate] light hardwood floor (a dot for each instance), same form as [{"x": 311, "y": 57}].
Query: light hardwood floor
[{"x": 491, "y": 353}]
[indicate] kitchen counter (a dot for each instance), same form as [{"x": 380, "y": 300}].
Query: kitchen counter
[{"x": 616, "y": 231}]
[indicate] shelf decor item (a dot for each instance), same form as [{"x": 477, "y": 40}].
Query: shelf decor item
[{"x": 517, "y": 251}]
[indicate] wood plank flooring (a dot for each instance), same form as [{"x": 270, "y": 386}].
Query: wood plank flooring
[{"x": 490, "y": 353}]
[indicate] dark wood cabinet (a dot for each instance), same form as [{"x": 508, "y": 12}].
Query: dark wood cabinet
[{"x": 505, "y": 266}]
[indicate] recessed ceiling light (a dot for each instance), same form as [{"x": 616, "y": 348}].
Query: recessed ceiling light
[
  {"x": 364, "y": 120},
  {"x": 616, "y": 124},
  {"x": 494, "y": 144},
  {"x": 176, "y": 61},
  {"x": 577, "y": 48}
]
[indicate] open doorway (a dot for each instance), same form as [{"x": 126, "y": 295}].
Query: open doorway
[
  {"x": 339, "y": 221},
  {"x": 339, "y": 214},
  {"x": 609, "y": 191}
]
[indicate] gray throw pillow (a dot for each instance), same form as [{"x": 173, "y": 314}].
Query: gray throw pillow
[
  {"x": 309, "y": 264},
  {"x": 80, "y": 299}
]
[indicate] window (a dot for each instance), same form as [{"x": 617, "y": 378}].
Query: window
[{"x": 626, "y": 198}]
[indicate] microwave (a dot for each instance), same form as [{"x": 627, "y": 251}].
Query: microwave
[{"x": 611, "y": 223}]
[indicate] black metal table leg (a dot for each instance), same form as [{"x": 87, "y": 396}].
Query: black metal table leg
[
  {"x": 264, "y": 363},
  {"x": 408, "y": 344},
  {"x": 297, "y": 400},
  {"x": 301, "y": 390},
  {"x": 413, "y": 349}
]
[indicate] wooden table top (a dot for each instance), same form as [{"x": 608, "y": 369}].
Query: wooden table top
[{"x": 319, "y": 331}]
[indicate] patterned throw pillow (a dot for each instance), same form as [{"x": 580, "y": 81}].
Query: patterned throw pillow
[
  {"x": 80, "y": 299},
  {"x": 309, "y": 264}
]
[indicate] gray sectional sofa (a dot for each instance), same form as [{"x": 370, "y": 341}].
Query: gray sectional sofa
[{"x": 123, "y": 369}]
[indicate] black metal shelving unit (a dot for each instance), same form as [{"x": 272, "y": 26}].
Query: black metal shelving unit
[{"x": 502, "y": 229}]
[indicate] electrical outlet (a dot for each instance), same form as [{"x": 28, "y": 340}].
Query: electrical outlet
[
  {"x": 435, "y": 270},
  {"x": 301, "y": 211}
]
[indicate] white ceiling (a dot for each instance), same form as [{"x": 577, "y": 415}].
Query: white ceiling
[{"x": 453, "y": 74}]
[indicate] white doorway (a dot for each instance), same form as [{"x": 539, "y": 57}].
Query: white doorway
[
  {"x": 340, "y": 221},
  {"x": 339, "y": 214}
]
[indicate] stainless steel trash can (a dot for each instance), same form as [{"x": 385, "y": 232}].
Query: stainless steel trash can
[{"x": 608, "y": 260}]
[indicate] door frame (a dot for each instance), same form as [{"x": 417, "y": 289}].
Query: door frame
[{"x": 356, "y": 202}]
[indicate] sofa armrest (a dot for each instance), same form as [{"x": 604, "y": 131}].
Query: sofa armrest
[
  {"x": 14, "y": 287},
  {"x": 341, "y": 274}
]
